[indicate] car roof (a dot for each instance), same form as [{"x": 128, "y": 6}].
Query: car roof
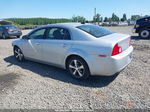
[
  {"x": 143, "y": 18},
  {"x": 8, "y": 26},
  {"x": 65, "y": 25}
]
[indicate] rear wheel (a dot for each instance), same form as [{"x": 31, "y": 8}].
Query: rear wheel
[
  {"x": 144, "y": 33},
  {"x": 18, "y": 54},
  {"x": 78, "y": 68},
  {"x": 4, "y": 36}
]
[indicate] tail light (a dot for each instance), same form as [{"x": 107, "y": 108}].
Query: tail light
[
  {"x": 9, "y": 30},
  {"x": 116, "y": 50}
]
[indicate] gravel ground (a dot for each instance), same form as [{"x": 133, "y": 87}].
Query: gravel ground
[{"x": 31, "y": 85}]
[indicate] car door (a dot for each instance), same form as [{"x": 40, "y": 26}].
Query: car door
[
  {"x": 56, "y": 44},
  {"x": 32, "y": 47}
]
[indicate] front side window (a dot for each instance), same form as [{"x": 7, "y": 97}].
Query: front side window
[
  {"x": 58, "y": 34},
  {"x": 95, "y": 30},
  {"x": 39, "y": 34}
]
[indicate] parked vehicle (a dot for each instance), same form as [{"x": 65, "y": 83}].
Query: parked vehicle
[
  {"x": 142, "y": 27},
  {"x": 123, "y": 24},
  {"x": 114, "y": 23},
  {"x": 106, "y": 24},
  {"x": 7, "y": 31},
  {"x": 131, "y": 23},
  {"x": 82, "y": 49}
]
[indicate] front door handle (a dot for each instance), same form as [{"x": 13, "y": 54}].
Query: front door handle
[
  {"x": 64, "y": 45},
  {"x": 37, "y": 43}
]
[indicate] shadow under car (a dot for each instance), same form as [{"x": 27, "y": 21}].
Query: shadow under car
[{"x": 60, "y": 74}]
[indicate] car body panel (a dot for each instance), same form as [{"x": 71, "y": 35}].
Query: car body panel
[
  {"x": 111, "y": 64},
  {"x": 32, "y": 48},
  {"x": 54, "y": 50}
]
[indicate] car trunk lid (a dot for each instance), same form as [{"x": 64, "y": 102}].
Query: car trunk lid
[{"x": 122, "y": 40}]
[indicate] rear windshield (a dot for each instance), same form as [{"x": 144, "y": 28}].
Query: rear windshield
[
  {"x": 95, "y": 30},
  {"x": 10, "y": 27}
]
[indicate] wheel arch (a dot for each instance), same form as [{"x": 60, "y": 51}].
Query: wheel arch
[
  {"x": 87, "y": 58},
  {"x": 14, "y": 46},
  {"x": 70, "y": 56},
  {"x": 76, "y": 55}
]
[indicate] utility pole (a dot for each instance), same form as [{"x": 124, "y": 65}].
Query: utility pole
[
  {"x": 95, "y": 12},
  {"x": 94, "y": 15}
]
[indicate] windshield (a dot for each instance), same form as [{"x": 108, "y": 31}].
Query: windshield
[{"x": 95, "y": 30}]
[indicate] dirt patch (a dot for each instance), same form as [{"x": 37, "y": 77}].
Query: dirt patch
[{"x": 7, "y": 81}]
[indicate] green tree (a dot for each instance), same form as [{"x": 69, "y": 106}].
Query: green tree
[
  {"x": 146, "y": 16},
  {"x": 37, "y": 21},
  {"x": 78, "y": 19},
  {"x": 135, "y": 17},
  {"x": 124, "y": 18},
  {"x": 114, "y": 18},
  {"x": 106, "y": 19},
  {"x": 97, "y": 18}
]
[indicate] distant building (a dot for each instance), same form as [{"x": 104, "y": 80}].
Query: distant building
[{"x": 4, "y": 22}]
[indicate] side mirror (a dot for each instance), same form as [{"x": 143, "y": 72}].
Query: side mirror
[{"x": 25, "y": 37}]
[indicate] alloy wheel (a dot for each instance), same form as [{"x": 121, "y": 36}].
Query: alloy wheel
[
  {"x": 18, "y": 54},
  {"x": 76, "y": 68},
  {"x": 3, "y": 36}
]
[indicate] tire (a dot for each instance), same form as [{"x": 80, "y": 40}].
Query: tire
[
  {"x": 78, "y": 68},
  {"x": 18, "y": 36},
  {"x": 4, "y": 36},
  {"x": 144, "y": 33},
  {"x": 18, "y": 54}
]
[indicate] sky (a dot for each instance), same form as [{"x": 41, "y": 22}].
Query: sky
[{"x": 69, "y": 8}]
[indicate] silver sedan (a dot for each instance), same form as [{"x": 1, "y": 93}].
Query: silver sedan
[{"x": 82, "y": 49}]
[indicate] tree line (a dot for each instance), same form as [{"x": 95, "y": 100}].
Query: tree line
[
  {"x": 113, "y": 18},
  {"x": 36, "y": 21},
  {"x": 96, "y": 18}
]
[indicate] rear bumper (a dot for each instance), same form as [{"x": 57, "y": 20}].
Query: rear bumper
[
  {"x": 108, "y": 66},
  {"x": 14, "y": 34}
]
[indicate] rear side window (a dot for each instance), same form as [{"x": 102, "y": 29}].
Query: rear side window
[{"x": 95, "y": 30}]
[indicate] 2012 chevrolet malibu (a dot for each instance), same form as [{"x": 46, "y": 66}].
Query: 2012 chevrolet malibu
[{"x": 82, "y": 49}]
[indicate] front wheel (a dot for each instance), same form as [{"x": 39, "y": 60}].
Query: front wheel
[
  {"x": 144, "y": 33},
  {"x": 78, "y": 68},
  {"x": 18, "y": 36},
  {"x": 18, "y": 54}
]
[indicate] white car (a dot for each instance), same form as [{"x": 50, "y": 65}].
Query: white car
[{"x": 82, "y": 49}]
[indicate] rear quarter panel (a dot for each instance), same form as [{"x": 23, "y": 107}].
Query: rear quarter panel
[{"x": 86, "y": 49}]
